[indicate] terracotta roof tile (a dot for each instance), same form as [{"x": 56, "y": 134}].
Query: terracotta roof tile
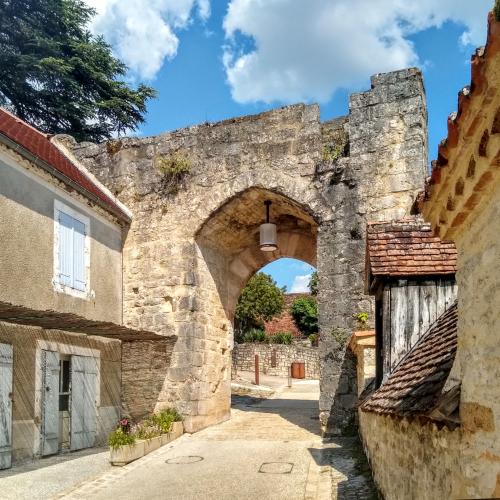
[
  {"x": 415, "y": 387},
  {"x": 40, "y": 146},
  {"x": 407, "y": 248}
]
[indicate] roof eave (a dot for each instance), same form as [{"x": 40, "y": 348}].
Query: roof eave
[{"x": 7, "y": 141}]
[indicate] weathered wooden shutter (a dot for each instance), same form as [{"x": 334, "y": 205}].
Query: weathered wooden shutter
[
  {"x": 84, "y": 380},
  {"x": 6, "y": 363},
  {"x": 65, "y": 249},
  {"x": 50, "y": 402},
  {"x": 79, "y": 278}
]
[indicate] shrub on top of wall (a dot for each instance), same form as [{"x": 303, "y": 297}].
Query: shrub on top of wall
[
  {"x": 255, "y": 335},
  {"x": 281, "y": 338}
]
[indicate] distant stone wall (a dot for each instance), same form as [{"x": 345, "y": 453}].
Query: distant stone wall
[
  {"x": 396, "y": 446},
  {"x": 285, "y": 355}
]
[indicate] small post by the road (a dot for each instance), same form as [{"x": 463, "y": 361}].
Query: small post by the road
[
  {"x": 256, "y": 369},
  {"x": 290, "y": 376}
]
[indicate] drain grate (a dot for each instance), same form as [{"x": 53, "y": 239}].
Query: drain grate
[
  {"x": 191, "y": 459},
  {"x": 276, "y": 468}
]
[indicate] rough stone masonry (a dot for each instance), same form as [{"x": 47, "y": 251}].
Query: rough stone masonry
[{"x": 197, "y": 197}]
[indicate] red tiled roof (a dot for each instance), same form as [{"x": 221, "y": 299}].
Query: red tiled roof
[
  {"x": 415, "y": 387},
  {"x": 39, "y": 145},
  {"x": 407, "y": 248}
]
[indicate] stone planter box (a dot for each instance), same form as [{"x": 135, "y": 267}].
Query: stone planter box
[{"x": 130, "y": 452}]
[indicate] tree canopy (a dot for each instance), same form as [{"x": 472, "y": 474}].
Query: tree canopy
[
  {"x": 305, "y": 314},
  {"x": 261, "y": 300},
  {"x": 59, "y": 77}
]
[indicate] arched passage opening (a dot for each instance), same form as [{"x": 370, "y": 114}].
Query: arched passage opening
[{"x": 228, "y": 255}]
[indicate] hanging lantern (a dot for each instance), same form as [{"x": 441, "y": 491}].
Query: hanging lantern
[{"x": 268, "y": 239}]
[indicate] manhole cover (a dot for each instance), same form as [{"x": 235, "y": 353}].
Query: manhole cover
[
  {"x": 184, "y": 460},
  {"x": 276, "y": 468}
]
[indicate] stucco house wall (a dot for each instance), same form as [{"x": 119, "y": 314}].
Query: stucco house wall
[
  {"x": 27, "y": 198},
  {"x": 27, "y": 343}
]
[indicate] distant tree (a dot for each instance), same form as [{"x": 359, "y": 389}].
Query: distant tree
[
  {"x": 260, "y": 301},
  {"x": 313, "y": 283},
  {"x": 305, "y": 314},
  {"x": 59, "y": 77}
]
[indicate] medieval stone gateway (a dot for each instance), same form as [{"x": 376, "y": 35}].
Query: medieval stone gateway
[{"x": 197, "y": 198}]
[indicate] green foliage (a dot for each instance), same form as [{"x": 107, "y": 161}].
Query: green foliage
[
  {"x": 146, "y": 429},
  {"x": 120, "y": 438},
  {"x": 496, "y": 10},
  {"x": 341, "y": 336},
  {"x": 305, "y": 314},
  {"x": 285, "y": 338},
  {"x": 173, "y": 165},
  {"x": 332, "y": 152},
  {"x": 254, "y": 335},
  {"x": 162, "y": 420},
  {"x": 261, "y": 300},
  {"x": 362, "y": 319},
  {"x": 59, "y": 77},
  {"x": 314, "y": 283},
  {"x": 313, "y": 338}
]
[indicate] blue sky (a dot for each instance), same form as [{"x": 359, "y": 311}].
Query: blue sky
[{"x": 211, "y": 60}]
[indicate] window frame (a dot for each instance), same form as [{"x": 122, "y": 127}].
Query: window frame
[{"x": 59, "y": 287}]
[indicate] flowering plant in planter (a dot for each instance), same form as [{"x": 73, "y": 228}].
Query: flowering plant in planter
[
  {"x": 125, "y": 425},
  {"x": 120, "y": 438}
]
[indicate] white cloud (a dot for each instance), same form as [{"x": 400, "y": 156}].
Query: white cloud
[
  {"x": 306, "y": 50},
  {"x": 301, "y": 284},
  {"x": 143, "y": 32}
]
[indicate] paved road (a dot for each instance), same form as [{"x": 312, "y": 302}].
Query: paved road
[{"x": 269, "y": 449}]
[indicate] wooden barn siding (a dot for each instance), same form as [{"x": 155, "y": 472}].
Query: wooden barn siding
[{"x": 409, "y": 308}]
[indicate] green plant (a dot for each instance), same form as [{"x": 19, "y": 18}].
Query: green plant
[
  {"x": 147, "y": 429},
  {"x": 174, "y": 164},
  {"x": 362, "y": 319},
  {"x": 254, "y": 335},
  {"x": 305, "y": 314},
  {"x": 332, "y": 152},
  {"x": 162, "y": 420},
  {"x": 285, "y": 338},
  {"x": 341, "y": 335},
  {"x": 496, "y": 10},
  {"x": 314, "y": 283},
  {"x": 120, "y": 438},
  {"x": 313, "y": 338},
  {"x": 261, "y": 300}
]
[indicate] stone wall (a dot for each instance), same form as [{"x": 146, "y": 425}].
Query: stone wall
[
  {"x": 411, "y": 460},
  {"x": 144, "y": 364},
  {"x": 193, "y": 242},
  {"x": 477, "y": 365},
  {"x": 283, "y": 356}
]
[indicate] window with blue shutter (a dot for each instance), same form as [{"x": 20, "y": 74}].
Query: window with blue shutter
[{"x": 72, "y": 270}]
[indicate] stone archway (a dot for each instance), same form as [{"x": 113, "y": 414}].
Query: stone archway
[{"x": 189, "y": 250}]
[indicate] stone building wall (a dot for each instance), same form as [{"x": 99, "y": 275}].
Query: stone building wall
[
  {"x": 144, "y": 364},
  {"x": 243, "y": 358},
  {"x": 411, "y": 460},
  {"x": 193, "y": 242}
]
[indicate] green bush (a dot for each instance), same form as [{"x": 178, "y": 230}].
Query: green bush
[
  {"x": 255, "y": 335},
  {"x": 163, "y": 421},
  {"x": 305, "y": 314},
  {"x": 281, "y": 338},
  {"x": 147, "y": 429},
  {"x": 313, "y": 338},
  {"x": 120, "y": 438}
]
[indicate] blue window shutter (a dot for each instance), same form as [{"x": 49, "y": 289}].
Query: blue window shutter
[
  {"x": 79, "y": 274},
  {"x": 65, "y": 249}
]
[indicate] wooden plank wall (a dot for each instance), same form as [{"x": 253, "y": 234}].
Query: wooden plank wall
[{"x": 410, "y": 307}]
